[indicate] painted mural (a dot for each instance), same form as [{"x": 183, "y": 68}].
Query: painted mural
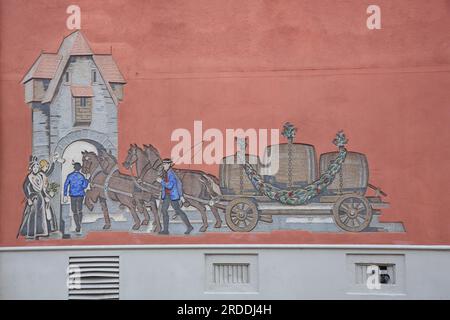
[{"x": 75, "y": 183}]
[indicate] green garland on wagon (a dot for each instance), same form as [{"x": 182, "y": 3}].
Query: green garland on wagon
[{"x": 301, "y": 196}]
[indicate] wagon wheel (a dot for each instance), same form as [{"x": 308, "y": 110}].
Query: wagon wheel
[
  {"x": 352, "y": 212},
  {"x": 241, "y": 215}
]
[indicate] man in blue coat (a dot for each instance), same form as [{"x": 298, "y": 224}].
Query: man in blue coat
[
  {"x": 75, "y": 185},
  {"x": 171, "y": 194}
]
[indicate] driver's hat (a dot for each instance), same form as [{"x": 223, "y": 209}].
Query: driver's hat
[{"x": 168, "y": 160}]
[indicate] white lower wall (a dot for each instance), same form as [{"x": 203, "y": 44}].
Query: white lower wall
[{"x": 276, "y": 272}]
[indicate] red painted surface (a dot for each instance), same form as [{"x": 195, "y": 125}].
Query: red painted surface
[{"x": 257, "y": 64}]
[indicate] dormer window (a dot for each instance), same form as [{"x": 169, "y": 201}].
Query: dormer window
[{"x": 45, "y": 83}]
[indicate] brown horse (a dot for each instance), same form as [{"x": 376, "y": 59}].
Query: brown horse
[
  {"x": 142, "y": 197},
  {"x": 196, "y": 184},
  {"x": 108, "y": 183}
]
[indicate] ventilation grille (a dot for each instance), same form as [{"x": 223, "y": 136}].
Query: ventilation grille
[
  {"x": 386, "y": 273},
  {"x": 376, "y": 274},
  {"x": 231, "y": 273},
  {"x": 93, "y": 278}
]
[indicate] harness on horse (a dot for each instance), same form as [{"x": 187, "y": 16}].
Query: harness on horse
[
  {"x": 139, "y": 181},
  {"x": 106, "y": 187},
  {"x": 140, "y": 184},
  {"x": 147, "y": 168},
  {"x": 94, "y": 175}
]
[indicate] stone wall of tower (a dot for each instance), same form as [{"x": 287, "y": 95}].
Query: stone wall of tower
[
  {"x": 41, "y": 133},
  {"x": 104, "y": 110}
]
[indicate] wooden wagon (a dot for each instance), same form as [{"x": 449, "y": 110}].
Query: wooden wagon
[{"x": 345, "y": 199}]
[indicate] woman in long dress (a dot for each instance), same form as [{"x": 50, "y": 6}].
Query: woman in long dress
[
  {"x": 45, "y": 171},
  {"x": 38, "y": 217}
]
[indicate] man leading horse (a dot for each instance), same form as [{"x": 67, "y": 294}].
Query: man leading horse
[{"x": 171, "y": 195}]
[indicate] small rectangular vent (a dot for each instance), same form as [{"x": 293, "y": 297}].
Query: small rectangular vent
[
  {"x": 386, "y": 273},
  {"x": 237, "y": 273},
  {"x": 231, "y": 273},
  {"x": 93, "y": 278},
  {"x": 376, "y": 274}
]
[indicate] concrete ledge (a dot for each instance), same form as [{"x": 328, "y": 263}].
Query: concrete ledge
[
  {"x": 231, "y": 246},
  {"x": 278, "y": 271}
]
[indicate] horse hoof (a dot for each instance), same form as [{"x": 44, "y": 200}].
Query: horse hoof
[
  {"x": 203, "y": 228},
  {"x": 188, "y": 231},
  {"x": 136, "y": 226},
  {"x": 144, "y": 223},
  {"x": 106, "y": 227},
  {"x": 156, "y": 227},
  {"x": 218, "y": 224}
]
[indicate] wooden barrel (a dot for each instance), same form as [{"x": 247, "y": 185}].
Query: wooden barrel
[
  {"x": 232, "y": 176},
  {"x": 303, "y": 165},
  {"x": 355, "y": 173}
]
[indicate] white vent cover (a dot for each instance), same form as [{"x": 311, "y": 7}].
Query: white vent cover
[
  {"x": 93, "y": 278},
  {"x": 237, "y": 273},
  {"x": 386, "y": 273},
  {"x": 230, "y": 273},
  {"x": 376, "y": 274}
]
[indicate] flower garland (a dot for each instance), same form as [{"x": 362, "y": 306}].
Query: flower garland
[{"x": 300, "y": 196}]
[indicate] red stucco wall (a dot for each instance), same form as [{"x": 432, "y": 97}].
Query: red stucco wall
[{"x": 257, "y": 64}]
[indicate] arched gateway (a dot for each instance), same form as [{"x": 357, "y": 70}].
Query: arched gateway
[{"x": 69, "y": 148}]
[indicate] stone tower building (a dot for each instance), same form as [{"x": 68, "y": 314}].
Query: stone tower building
[{"x": 73, "y": 95}]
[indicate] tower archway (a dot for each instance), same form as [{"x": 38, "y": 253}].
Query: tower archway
[{"x": 69, "y": 149}]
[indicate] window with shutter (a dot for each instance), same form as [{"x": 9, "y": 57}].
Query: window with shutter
[{"x": 83, "y": 111}]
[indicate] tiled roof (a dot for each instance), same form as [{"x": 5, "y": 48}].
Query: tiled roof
[
  {"x": 52, "y": 65},
  {"x": 44, "y": 68},
  {"x": 109, "y": 68},
  {"x": 54, "y": 82},
  {"x": 47, "y": 66},
  {"x": 82, "y": 91},
  {"x": 80, "y": 46}
]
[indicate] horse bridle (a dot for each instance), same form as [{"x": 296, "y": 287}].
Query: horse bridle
[
  {"x": 146, "y": 168},
  {"x": 97, "y": 170},
  {"x": 83, "y": 166},
  {"x": 129, "y": 163}
]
